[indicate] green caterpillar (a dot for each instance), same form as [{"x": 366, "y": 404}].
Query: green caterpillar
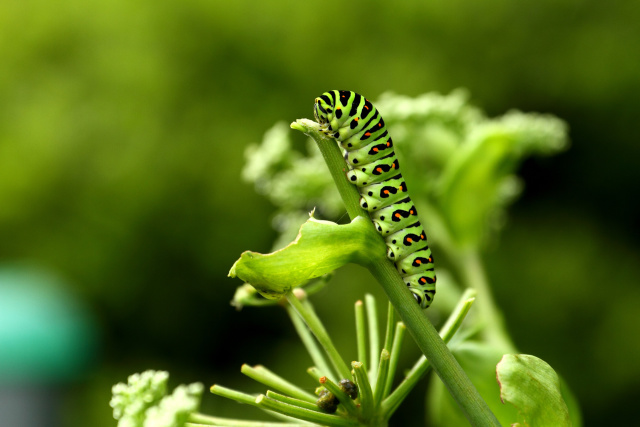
[{"x": 360, "y": 130}]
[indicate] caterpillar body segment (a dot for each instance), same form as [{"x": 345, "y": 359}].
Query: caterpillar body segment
[{"x": 359, "y": 129}]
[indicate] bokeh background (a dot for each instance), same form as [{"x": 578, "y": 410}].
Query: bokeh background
[{"x": 122, "y": 131}]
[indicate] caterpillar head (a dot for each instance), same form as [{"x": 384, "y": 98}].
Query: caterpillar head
[{"x": 322, "y": 109}]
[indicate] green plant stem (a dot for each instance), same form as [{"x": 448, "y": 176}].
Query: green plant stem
[
  {"x": 241, "y": 397},
  {"x": 238, "y": 396},
  {"x": 292, "y": 401},
  {"x": 310, "y": 343},
  {"x": 474, "y": 276},
  {"x": 303, "y": 414},
  {"x": 381, "y": 381},
  {"x": 199, "y": 420},
  {"x": 395, "y": 355},
  {"x": 444, "y": 364},
  {"x": 321, "y": 335},
  {"x": 365, "y": 393},
  {"x": 268, "y": 378},
  {"x": 468, "y": 263},
  {"x": 391, "y": 325},
  {"x": 374, "y": 336},
  {"x": 361, "y": 332}
]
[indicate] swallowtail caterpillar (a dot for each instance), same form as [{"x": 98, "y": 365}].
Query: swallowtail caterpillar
[{"x": 359, "y": 129}]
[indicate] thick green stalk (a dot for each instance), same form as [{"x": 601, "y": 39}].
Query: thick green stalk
[{"x": 444, "y": 364}]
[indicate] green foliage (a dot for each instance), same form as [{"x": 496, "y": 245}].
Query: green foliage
[
  {"x": 459, "y": 163},
  {"x": 472, "y": 178},
  {"x": 143, "y": 401},
  {"x": 174, "y": 410},
  {"x": 122, "y": 126},
  {"x": 533, "y": 387},
  {"x": 130, "y": 401},
  {"x": 365, "y": 398}
]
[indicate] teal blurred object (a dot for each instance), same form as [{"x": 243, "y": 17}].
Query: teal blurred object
[{"x": 48, "y": 339}]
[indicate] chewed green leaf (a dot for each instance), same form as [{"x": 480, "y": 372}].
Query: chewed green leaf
[
  {"x": 533, "y": 387},
  {"x": 321, "y": 247}
]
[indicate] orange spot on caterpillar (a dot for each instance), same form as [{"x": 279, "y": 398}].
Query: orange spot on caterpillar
[
  {"x": 379, "y": 124},
  {"x": 388, "y": 144},
  {"x": 366, "y": 106},
  {"x": 418, "y": 261},
  {"x": 423, "y": 280},
  {"x": 375, "y": 149},
  {"x": 356, "y": 119},
  {"x": 409, "y": 240},
  {"x": 379, "y": 169},
  {"x": 422, "y": 236},
  {"x": 411, "y": 211},
  {"x": 367, "y": 134},
  {"x": 386, "y": 191},
  {"x": 322, "y": 380},
  {"x": 397, "y": 215}
]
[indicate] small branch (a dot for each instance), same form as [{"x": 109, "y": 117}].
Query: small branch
[
  {"x": 310, "y": 343},
  {"x": 268, "y": 378},
  {"x": 316, "y": 327},
  {"x": 390, "y": 331},
  {"x": 365, "y": 393},
  {"x": 361, "y": 332},
  {"x": 383, "y": 373},
  {"x": 200, "y": 420},
  {"x": 303, "y": 414},
  {"x": 238, "y": 396},
  {"x": 374, "y": 336},
  {"x": 292, "y": 401},
  {"x": 395, "y": 355},
  {"x": 474, "y": 276}
]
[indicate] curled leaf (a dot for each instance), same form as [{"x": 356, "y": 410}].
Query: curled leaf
[
  {"x": 319, "y": 248},
  {"x": 533, "y": 387}
]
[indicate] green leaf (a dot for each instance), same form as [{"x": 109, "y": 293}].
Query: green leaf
[
  {"x": 478, "y": 180},
  {"x": 533, "y": 387},
  {"x": 321, "y": 247}
]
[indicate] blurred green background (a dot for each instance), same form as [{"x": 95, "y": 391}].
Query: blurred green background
[{"x": 122, "y": 131}]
